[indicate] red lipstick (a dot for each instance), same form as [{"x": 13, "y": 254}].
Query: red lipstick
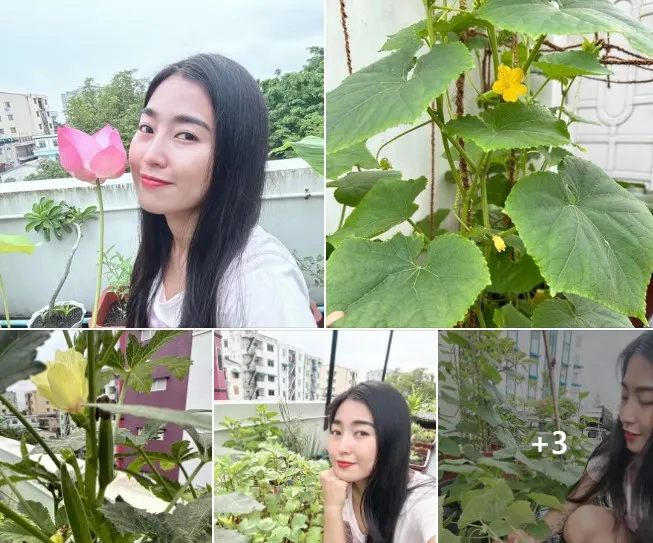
[
  {"x": 343, "y": 465},
  {"x": 153, "y": 182},
  {"x": 629, "y": 436}
]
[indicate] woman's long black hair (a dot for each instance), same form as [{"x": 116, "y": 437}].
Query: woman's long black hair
[
  {"x": 387, "y": 488},
  {"x": 609, "y": 489},
  {"x": 232, "y": 204}
]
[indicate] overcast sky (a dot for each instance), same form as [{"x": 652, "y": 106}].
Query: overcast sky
[
  {"x": 364, "y": 350},
  {"x": 51, "y": 47}
]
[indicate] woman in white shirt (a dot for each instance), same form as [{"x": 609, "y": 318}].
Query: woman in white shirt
[
  {"x": 370, "y": 494},
  {"x": 198, "y": 163},
  {"x": 613, "y": 501}
]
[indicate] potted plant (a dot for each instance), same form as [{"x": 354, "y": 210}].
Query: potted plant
[
  {"x": 112, "y": 310},
  {"x": 419, "y": 458},
  {"x": 422, "y": 437},
  {"x": 48, "y": 219}
]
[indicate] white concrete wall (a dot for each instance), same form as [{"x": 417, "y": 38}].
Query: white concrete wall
[
  {"x": 30, "y": 279},
  {"x": 310, "y": 414}
]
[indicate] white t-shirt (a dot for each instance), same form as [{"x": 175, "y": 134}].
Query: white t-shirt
[
  {"x": 266, "y": 290},
  {"x": 418, "y": 520},
  {"x": 595, "y": 469}
]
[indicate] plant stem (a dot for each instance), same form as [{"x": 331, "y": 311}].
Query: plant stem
[
  {"x": 440, "y": 122},
  {"x": 416, "y": 228},
  {"x": 181, "y": 491},
  {"x": 98, "y": 190},
  {"x": 69, "y": 341},
  {"x": 532, "y": 98},
  {"x": 508, "y": 232},
  {"x": 22, "y": 522},
  {"x": 445, "y": 8},
  {"x": 107, "y": 352},
  {"x": 67, "y": 269},
  {"x": 429, "y": 23},
  {"x": 183, "y": 470},
  {"x": 4, "y": 301},
  {"x": 495, "y": 49},
  {"x": 342, "y": 216},
  {"x": 485, "y": 159},
  {"x": 534, "y": 52},
  {"x": 90, "y": 472},
  {"x": 399, "y": 136},
  {"x": 121, "y": 400},
  {"x": 14, "y": 411},
  {"x": 19, "y": 496},
  {"x": 155, "y": 472}
]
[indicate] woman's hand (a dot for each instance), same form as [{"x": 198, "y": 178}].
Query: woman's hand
[
  {"x": 334, "y": 490},
  {"x": 520, "y": 536}
]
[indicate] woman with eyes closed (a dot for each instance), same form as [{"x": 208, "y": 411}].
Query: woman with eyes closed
[
  {"x": 370, "y": 494},
  {"x": 613, "y": 501},
  {"x": 198, "y": 163}
]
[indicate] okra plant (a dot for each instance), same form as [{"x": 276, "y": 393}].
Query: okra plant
[
  {"x": 85, "y": 461},
  {"x": 543, "y": 237}
]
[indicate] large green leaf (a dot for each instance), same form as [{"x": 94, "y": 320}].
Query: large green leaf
[
  {"x": 18, "y": 355},
  {"x": 577, "y": 312},
  {"x": 485, "y": 504},
  {"x": 388, "y": 203},
  {"x": 311, "y": 149},
  {"x": 196, "y": 419},
  {"x": 411, "y": 35},
  {"x": 511, "y": 126},
  {"x": 566, "y": 64},
  {"x": 509, "y": 316},
  {"x": 194, "y": 518},
  {"x": 382, "y": 96},
  {"x": 16, "y": 244},
  {"x": 588, "y": 235},
  {"x": 388, "y": 284},
  {"x": 141, "y": 377},
  {"x": 351, "y": 188},
  {"x": 536, "y": 17},
  {"x": 509, "y": 275},
  {"x": 140, "y": 351},
  {"x": 344, "y": 160}
]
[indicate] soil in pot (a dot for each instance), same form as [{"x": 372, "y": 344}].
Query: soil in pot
[
  {"x": 116, "y": 316},
  {"x": 58, "y": 320}
]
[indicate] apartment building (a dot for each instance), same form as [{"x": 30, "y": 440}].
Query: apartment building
[
  {"x": 11, "y": 396},
  {"x": 259, "y": 367},
  {"x": 22, "y": 116},
  {"x": 343, "y": 379},
  {"x": 36, "y": 405},
  {"x": 219, "y": 377}
]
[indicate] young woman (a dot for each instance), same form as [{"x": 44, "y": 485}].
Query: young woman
[
  {"x": 613, "y": 501},
  {"x": 370, "y": 494},
  {"x": 198, "y": 163}
]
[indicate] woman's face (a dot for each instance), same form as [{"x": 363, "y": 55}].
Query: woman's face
[
  {"x": 636, "y": 408},
  {"x": 352, "y": 442},
  {"x": 171, "y": 153}
]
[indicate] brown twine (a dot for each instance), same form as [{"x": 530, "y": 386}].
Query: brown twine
[{"x": 343, "y": 22}]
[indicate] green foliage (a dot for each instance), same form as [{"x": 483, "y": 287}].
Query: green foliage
[
  {"x": 49, "y": 218},
  {"x": 118, "y": 103},
  {"x": 501, "y": 482},
  {"x": 18, "y": 355},
  {"x": 269, "y": 496},
  {"x": 17, "y": 434},
  {"x": 48, "y": 169},
  {"x": 246, "y": 434},
  {"x": 533, "y": 222},
  {"x": 118, "y": 271},
  {"x": 295, "y": 103},
  {"x": 419, "y": 381}
]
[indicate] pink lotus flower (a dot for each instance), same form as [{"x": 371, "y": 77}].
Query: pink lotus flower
[{"x": 89, "y": 158}]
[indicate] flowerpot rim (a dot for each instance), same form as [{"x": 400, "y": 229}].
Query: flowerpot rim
[{"x": 59, "y": 303}]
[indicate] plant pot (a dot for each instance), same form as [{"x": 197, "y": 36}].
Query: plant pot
[
  {"x": 421, "y": 467},
  {"x": 74, "y": 320},
  {"x": 108, "y": 299},
  {"x": 424, "y": 444}
]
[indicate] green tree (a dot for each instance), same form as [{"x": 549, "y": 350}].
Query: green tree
[
  {"x": 296, "y": 103},
  {"x": 119, "y": 104},
  {"x": 48, "y": 169},
  {"x": 420, "y": 381}
]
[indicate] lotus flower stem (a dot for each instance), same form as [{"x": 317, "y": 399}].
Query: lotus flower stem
[
  {"x": 98, "y": 287},
  {"x": 3, "y": 294}
]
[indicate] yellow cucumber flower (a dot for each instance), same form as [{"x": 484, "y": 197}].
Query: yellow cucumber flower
[
  {"x": 509, "y": 85},
  {"x": 64, "y": 383},
  {"x": 499, "y": 244}
]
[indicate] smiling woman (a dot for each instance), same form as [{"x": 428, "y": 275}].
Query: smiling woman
[
  {"x": 198, "y": 163},
  {"x": 370, "y": 494}
]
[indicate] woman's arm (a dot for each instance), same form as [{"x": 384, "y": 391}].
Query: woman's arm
[{"x": 334, "y": 526}]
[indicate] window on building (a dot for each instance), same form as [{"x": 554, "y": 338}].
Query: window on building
[
  {"x": 41, "y": 144},
  {"x": 270, "y": 392},
  {"x": 37, "y": 114},
  {"x": 40, "y": 126},
  {"x": 271, "y": 378},
  {"x": 226, "y": 343},
  {"x": 10, "y": 117},
  {"x": 13, "y": 129},
  {"x": 48, "y": 113},
  {"x": 270, "y": 348},
  {"x": 7, "y": 104},
  {"x": 55, "y": 142},
  {"x": 159, "y": 385},
  {"x": 220, "y": 366},
  {"x": 270, "y": 363},
  {"x": 2, "y": 130},
  {"x": 34, "y": 100},
  {"x": 236, "y": 389},
  {"x": 50, "y": 124},
  {"x": 535, "y": 343}
]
